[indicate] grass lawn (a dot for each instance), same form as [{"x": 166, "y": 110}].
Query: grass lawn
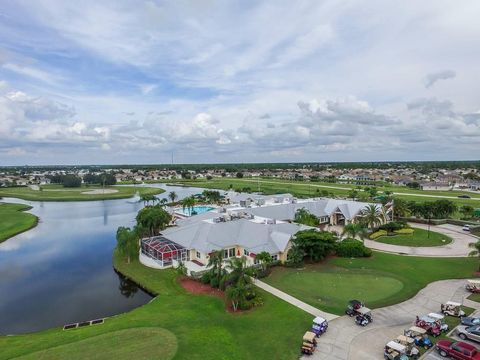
[
  {"x": 384, "y": 279},
  {"x": 202, "y": 327},
  {"x": 419, "y": 238},
  {"x": 14, "y": 220},
  {"x": 139, "y": 343},
  {"x": 474, "y": 297},
  {"x": 59, "y": 193}
]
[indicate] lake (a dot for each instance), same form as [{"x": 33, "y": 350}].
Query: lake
[{"x": 61, "y": 271}]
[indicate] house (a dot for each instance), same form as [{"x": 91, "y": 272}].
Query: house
[
  {"x": 236, "y": 236},
  {"x": 436, "y": 185},
  {"x": 255, "y": 224}
]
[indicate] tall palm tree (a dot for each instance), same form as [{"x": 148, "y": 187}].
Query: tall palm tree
[
  {"x": 163, "y": 202},
  {"x": 372, "y": 215},
  {"x": 215, "y": 262},
  {"x": 239, "y": 273},
  {"x": 265, "y": 259},
  {"x": 476, "y": 252},
  {"x": 188, "y": 203},
  {"x": 172, "y": 195}
]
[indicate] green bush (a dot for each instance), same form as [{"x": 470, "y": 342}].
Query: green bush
[
  {"x": 377, "y": 234},
  {"x": 352, "y": 248},
  {"x": 406, "y": 231},
  {"x": 205, "y": 278},
  {"x": 393, "y": 226}
]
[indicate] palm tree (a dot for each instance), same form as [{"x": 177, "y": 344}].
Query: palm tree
[
  {"x": 188, "y": 203},
  {"x": 237, "y": 293},
  {"x": 215, "y": 262},
  {"x": 239, "y": 273},
  {"x": 172, "y": 196},
  {"x": 355, "y": 229},
  {"x": 372, "y": 215},
  {"x": 265, "y": 259},
  {"x": 476, "y": 252}
]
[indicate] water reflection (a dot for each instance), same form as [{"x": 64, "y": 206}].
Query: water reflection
[{"x": 61, "y": 271}]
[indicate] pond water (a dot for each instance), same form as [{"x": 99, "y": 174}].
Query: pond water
[{"x": 61, "y": 271}]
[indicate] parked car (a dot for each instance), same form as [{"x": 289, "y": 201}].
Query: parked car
[
  {"x": 457, "y": 350},
  {"x": 395, "y": 351},
  {"x": 469, "y": 332},
  {"x": 319, "y": 326},
  {"x": 473, "y": 286},
  {"x": 309, "y": 343},
  {"x": 420, "y": 337},
  {"x": 432, "y": 326},
  {"x": 440, "y": 319},
  {"x": 452, "y": 308},
  {"x": 364, "y": 316},
  {"x": 466, "y": 228},
  {"x": 470, "y": 321}
]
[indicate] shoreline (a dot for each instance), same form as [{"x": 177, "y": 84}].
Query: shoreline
[{"x": 31, "y": 226}]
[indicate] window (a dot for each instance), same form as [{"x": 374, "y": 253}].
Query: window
[
  {"x": 256, "y": 262},
  {"x": 198, "y": 255},
  {"x": 231, "y": 252},
  {"x": 245, "y": 252},
  {"x": 225, "y": 254},
  {"x": 274, "y": 257}
]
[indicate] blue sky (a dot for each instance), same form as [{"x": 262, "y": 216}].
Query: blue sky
[{"x": 238, "y": 81}]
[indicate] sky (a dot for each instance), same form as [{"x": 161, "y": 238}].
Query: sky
[{"x": 203, "y": 81}]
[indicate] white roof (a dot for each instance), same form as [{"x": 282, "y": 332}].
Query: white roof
[
  {"x": 319, "y": 320},
  {"x": 476, "y": 282},
  {"x": 364, "y": 310},
  {"x": 207, "y": 236},
  {"x": 418, "y": 329},
  {"x": 396, "y": 346},
  {"x": 436, "y": 316},
  {"x": 453, "y": 303}
]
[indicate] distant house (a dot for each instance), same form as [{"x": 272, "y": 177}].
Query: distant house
[{"x": 435, "y": 185}]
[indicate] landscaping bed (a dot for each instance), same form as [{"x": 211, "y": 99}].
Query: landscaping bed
[{"x": 419, "y": 238}]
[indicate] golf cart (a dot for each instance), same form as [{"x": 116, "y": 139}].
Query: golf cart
[
  {"x": 419, "y": 336},
  {"x": 309, "y": 343},
  {"x": 430, "y": 325},
  {"x": 473, "y": 286},
  {"x": 395, "y": 351},
  {"x": 409, "y": 343},
  {"x": 319, "y": 326},
  {"x": 441, "y": 321},
  {"x": 364, "y": 316},
  {"x": 352, "y": 307},
  {"x": 452, "y": 308}
]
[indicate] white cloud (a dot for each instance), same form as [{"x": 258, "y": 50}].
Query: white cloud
[{"x": 32, "y": 72}]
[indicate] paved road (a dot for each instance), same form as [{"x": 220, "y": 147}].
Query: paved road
[
  {"x": 344, "y": 340},
  {"x": 294, "y": 301},
  {"x": 458, "y": 247}
]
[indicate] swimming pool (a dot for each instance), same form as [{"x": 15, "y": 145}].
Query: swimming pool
[{"x": 199, "y": 209}]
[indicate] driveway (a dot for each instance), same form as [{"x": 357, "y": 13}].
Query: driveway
[
  {"x": 457, "y": 248},
  {"x": 345, "y": 340}
]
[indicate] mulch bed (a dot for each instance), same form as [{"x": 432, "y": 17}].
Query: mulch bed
[{"x": 198, "y": 288}]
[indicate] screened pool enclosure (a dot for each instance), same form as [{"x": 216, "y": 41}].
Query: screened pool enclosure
[{"x": 163, "y": 251}]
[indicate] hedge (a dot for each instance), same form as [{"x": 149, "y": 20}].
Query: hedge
[
  {"x": 352, "y": 248},
  {"x": 377, "y": 234},
  {"x": 406, "y": 231}
]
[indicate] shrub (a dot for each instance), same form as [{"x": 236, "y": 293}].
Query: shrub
[
  {"x": 214, "y": 282},
  {"x": 352, "y": 248},
  {"x": 406, "y": 231},
  {"x": 205, "y": 278},
  {"x": 393, "y": 226},
  {"x": 377, "y": 234}
]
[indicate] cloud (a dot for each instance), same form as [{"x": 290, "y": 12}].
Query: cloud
[
  {"x": 147, "y": 88},
  {"x": 432, "y": 78},
  {"x": 32, "y": 72}
]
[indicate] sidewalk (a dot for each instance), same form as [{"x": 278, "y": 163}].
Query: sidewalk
[{"x": 294, "y": 301}]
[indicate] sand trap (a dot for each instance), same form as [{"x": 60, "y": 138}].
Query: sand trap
[{"x": 99, "y": 192}]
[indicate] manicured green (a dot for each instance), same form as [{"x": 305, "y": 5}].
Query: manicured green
[
  {"x": 474, "y": 297},
  {"x": 14, "y": 220},
  {"x": 387, "y": 279},
  {"x": 419, "y": 238},
  {"x": 60, "y": 193},
  {"x": 204, "y": 330},
  {"x": 142, "y": 343}
]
